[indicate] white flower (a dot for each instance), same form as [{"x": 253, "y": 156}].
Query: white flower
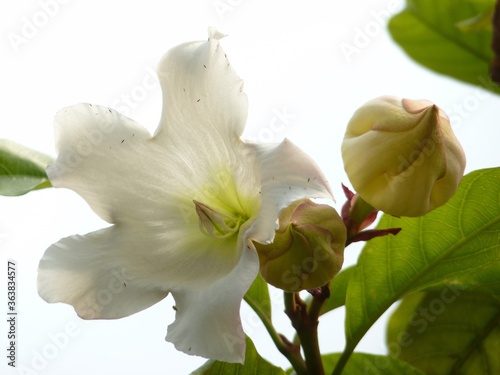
[{"x": 185, "y": 204}]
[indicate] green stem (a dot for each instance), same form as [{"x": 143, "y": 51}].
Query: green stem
[
  {"x": 289, "y": 299},
  {"x": 339, "y": 367},
  {"x": 291, "y": 352},
  {"x": 306, "y": 326}
]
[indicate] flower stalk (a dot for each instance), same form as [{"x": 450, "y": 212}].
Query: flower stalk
[{"x": 305, "y": 321}]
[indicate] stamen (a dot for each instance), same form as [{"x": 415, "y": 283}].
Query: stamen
[{"x": 214, "y": 223}]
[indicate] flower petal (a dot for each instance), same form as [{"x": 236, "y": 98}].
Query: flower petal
[
  {"x": 108, "y": 159},
  {"x": 208, "y": 320},
  {"x": 204, "y": 114},
  {"x": 287, "y": 174},
  {"x": 89, "y": 273},
  {"x": 204, "y": 107}
]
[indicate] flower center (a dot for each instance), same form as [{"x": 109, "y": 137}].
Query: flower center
[{"x": 217, "y": 224}]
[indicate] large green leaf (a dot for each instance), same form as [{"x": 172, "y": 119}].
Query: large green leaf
[
  {"x": 258, "y": 298},
  {"x": 457, "y": 244},
  {"x": 433, "y": 33},
  {"x": 254, "y": 364},
  {"x": 447, "y": 332},
  {"x": 362, "y": 364},
  {"x": 21, "y": 169}
]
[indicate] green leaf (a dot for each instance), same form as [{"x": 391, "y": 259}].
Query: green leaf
[
  {"x": 254, "y": 364},
  {"x": 457, "y": 244},
  {"x": 21, "y": 169},
  {"x": 433, "y": 33},
  {"x": 338, "y": 289},
  {"x": 258, "y": 297},
  {"x": 482, "y": 21},
  {"x": 447, "y": 332},
  {"x": 362, "y": 364}
]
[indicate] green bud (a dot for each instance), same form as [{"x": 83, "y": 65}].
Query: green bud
[
  {"x": 308, "y": 248},
  {"x": 401, "y": 155}
]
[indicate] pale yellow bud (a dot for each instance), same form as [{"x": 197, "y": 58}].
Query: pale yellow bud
[
  {"x": 401, "y": 155},
  {"x": 308, "y": 248}
]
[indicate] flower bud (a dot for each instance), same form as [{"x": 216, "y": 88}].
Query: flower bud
[
  {"x": 401, "y": 155},
  {"x": 308, "y": 247}
]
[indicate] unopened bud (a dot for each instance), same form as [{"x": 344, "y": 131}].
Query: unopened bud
[
  {"x": 308, "y": 248},
  {"x": 401, "y": 155}
]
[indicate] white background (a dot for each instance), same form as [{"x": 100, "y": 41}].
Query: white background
[{"x": 292, "y": 57}]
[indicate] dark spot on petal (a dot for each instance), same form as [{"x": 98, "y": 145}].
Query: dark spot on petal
[
  {"x": 309, "y": 179},
  {"x": 290, "y": 187},
  {"x": 133, "y": 135},
  {"x": 125, "y": 285},
  {"x": 109, "y": 110},
  {"x": 189, "y": 349},
  {"x": 204, "y": 66},
  {"x": 174, "y": 307},
  {"x": 90, "y": 104},
  {"x": 183, "y": 89},
  {"x": 198, "y": 100},
  {"x": 123, "y": 140}
]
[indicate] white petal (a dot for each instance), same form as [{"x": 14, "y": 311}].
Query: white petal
[
  {"x": 208, "y": 320},
  {"x": 109, "y": 160},
  {"x": 90, "y": 273},
  {"x": 204, "y": 114},
  {"x": 204, "y": 107},
  {"x": 288, "y": 174}
]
